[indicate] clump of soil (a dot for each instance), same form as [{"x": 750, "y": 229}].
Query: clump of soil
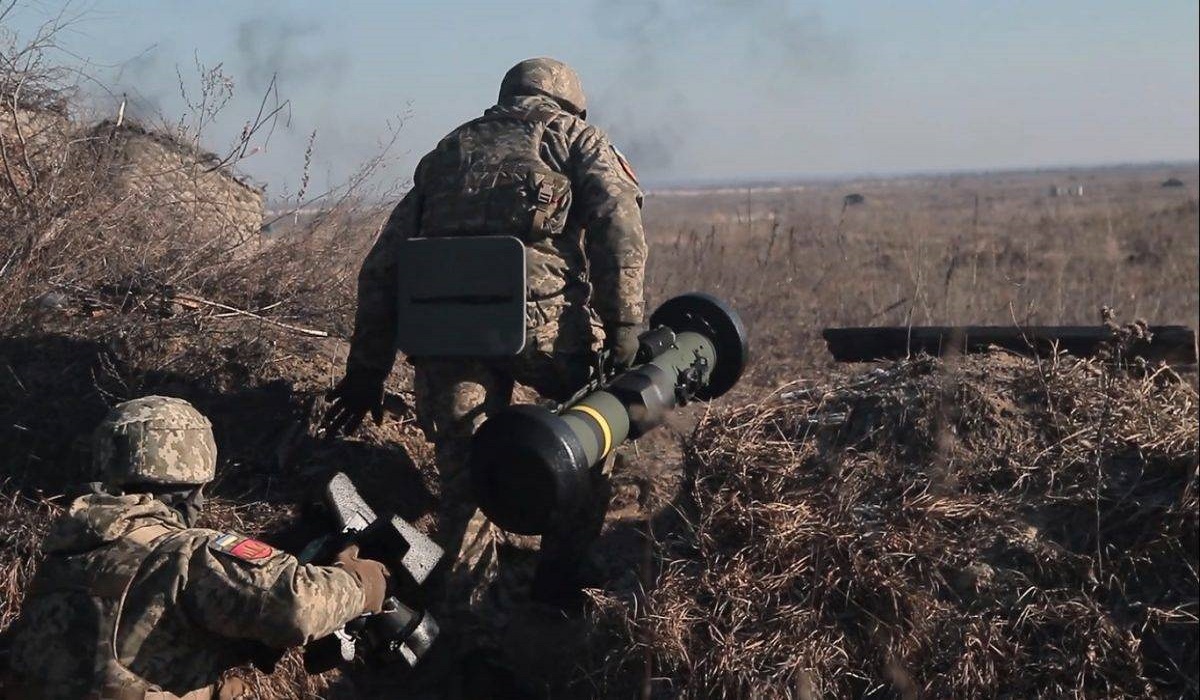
[{"x": 987, "y": 526}]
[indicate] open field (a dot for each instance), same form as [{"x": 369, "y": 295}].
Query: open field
[
  {"x": 105, "y": 296},
  {"x": 956, "y": 249}
]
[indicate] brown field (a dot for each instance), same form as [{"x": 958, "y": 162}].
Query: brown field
[
  {"x": 779, "y": 542},
  {"x": 999, "y": 528},
  {"x": 955, "y": 249}
]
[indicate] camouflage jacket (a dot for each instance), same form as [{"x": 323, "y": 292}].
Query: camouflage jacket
[
  {"x": 592, "y": 268},
  {"x": 128, "y": 597}
]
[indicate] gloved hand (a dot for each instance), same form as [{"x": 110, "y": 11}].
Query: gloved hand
[
  {"x": 371, "y": 575},
  {"x": 622, "y": 344},
  {"x": 357, "y": 394}
]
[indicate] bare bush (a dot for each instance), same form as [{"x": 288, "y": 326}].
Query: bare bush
[{"x": 112, "y": 287}]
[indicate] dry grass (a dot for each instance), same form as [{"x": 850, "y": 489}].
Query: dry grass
[
  {"x": 989, "y": 527},
  {"x": 936, "y": 250},
  {"x": 97, "y": 289}
]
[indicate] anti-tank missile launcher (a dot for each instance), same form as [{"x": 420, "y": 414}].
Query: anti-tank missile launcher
[{"x": 529, "y": 464}]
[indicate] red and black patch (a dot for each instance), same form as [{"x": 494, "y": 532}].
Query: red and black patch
[{"x": 241, "y": 547}]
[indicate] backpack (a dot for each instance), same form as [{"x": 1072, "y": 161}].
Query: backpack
[{"x": 488, "y": 178}]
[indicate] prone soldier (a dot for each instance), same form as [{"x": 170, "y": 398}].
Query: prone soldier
[{"x": 133, "y": 602}]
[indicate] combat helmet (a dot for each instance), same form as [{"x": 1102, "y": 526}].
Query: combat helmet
[
  {"x": 154, "y": 440},
  {"x": 545, "y": 76}
]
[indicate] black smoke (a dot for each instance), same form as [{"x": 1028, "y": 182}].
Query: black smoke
[
  {"x": 774, "y": 44},
  {"x": 281, "y": 49}
]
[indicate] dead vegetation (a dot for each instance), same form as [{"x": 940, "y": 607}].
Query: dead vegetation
[
  {"x": 948, "y": 250},
  {"x": 989, "y": 527},
  {"x": 983, "y": 527},
  {"x": 113, "y": 287}
]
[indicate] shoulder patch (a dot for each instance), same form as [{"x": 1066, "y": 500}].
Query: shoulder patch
[
  {"x": 625, "y": 165},
  {"x": 241, "y": 547}
]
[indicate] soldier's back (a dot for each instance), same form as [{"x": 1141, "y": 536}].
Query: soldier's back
[
  {"x": 63, "y": 642},
  {"x": 103, "y": 611}
]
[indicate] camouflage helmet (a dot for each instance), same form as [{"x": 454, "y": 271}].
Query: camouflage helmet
[
  {"x": 155, "y": 440},
  {"x": 545, "y": 76}
]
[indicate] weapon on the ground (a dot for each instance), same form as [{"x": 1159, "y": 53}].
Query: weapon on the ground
[
  {"x": 403, "y": 630},
  {"x": 529, "y": 464},
  {"x": 1170, "y": 344}
]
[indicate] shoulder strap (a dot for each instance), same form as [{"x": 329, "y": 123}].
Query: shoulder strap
[
  {"x": 151, "y": 537},
  {"x": 543, "y": 207},
  {"x": 117, "y": 585}
]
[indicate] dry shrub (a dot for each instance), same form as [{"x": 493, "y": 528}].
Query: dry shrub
[
  {"x": 121, "y": 217},
  {"x": 108, "y": 292},
  {"x": 23, "y": 523},
  {"x": 987, "y": 526}
]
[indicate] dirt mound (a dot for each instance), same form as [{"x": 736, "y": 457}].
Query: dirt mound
[{"x": 982, "y": 527}]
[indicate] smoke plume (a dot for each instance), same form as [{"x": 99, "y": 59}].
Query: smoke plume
[
  {"x": 280, "y": 48},
  {"x": 645, "y": 102}
]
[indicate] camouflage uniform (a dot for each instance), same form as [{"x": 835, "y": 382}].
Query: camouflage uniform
[
  {"x": 586, "y": 254},
  {"x": 131, "y": 603}
]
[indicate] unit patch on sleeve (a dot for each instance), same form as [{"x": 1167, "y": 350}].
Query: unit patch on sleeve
[{"x": 241, "y": 547}]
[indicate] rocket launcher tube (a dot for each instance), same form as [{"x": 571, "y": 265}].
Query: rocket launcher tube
[{"x": 530, "y": 465}]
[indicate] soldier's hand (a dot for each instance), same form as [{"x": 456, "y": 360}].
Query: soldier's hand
[
  {"x": 371, "y": 575},
  {"x": 353, "y": 398},
  {"x": 622, "y": 344}
]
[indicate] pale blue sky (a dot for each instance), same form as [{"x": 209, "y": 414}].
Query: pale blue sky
[{"x": 699, "y": 89}]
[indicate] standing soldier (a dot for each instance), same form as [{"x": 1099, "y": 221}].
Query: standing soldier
[
  {"x": 134, "y": 603},
  {"x": 533, "y": 168}
]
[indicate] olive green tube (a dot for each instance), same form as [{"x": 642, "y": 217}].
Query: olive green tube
[
  {"x": 530, "y": 466},
  {"x": 601, "y": 420},
  {"x": 688, "y": 348}
]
